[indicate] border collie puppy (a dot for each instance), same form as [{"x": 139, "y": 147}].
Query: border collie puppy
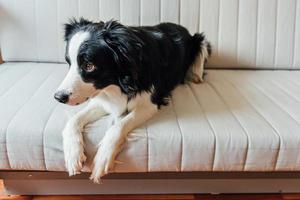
[{"x": 128, "y": 72}]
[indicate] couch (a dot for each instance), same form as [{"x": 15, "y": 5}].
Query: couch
[{"x": 239, "y": 131}]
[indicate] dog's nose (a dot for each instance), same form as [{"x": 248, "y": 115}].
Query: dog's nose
[{"x": 62, "y": 96}]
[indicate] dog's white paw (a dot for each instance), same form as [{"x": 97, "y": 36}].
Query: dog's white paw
[
  {"x": 73, "y": 149},
  {"x": 197, "y": 79},
  {"x": 105, "y": 158},
  {"x": 103, "y": 162}
]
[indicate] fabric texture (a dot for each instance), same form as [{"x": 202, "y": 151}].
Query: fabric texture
[
  {"x": 238, "y": 120},
  {"x": 244, "y": 34}
]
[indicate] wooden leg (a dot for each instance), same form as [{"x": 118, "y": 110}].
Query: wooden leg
[{"x": 1, "y": 60}]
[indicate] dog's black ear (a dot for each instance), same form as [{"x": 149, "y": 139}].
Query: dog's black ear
[
  {"x": 74, "y": 25},
  {"x": 126, "y": 47}
]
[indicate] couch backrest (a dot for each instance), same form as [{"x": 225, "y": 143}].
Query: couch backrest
[{"x": 243, "y": 33}]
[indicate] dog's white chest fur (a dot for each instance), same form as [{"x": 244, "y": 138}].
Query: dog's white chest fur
[
  {"x": 112, "y": 100},
  {"x": 116, "y": 103}
]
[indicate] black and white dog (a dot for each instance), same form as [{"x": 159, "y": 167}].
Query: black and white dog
[{"x": 128, "y": 72}]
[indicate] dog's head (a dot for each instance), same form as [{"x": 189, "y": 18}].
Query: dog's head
[{"x": 99, "y": 55}]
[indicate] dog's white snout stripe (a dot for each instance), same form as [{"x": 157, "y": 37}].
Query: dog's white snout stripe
[
  {"x": 74, "y": 45},
  {"x": 73, "y": 82}
]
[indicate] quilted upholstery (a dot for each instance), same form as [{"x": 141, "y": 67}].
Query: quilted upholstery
[
  {"x": 248, "y": 33},
  {"x": 236, "y": 121}
]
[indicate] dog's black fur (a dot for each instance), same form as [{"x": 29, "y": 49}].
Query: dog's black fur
[{"x": 147, "y": 58}]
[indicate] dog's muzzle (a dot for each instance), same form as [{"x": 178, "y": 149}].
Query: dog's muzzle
[{"x": 62, "y": 96}]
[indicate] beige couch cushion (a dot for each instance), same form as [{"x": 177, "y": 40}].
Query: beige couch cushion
[
  {"x": 248, "y": 34},
  {"x": 235, "y": 121}
]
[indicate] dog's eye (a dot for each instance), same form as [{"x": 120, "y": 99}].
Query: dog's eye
[{"x": 89, "y": 67}]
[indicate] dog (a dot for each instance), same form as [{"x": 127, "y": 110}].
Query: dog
[{"x": 128, "y": 72}]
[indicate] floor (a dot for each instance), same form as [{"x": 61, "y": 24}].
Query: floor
[{"x": 156, "y": 197}]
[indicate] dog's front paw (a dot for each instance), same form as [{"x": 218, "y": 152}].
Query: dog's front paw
[
  {"x": 103, "y": 162},
  {"x": 73, "y": 149},
  {"x": 106, "y": 154}
]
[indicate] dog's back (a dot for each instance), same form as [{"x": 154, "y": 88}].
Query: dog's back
[{"x": 171, "y": 56}]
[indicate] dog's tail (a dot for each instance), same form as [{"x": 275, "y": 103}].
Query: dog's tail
[{"x": 201, "y": 50}]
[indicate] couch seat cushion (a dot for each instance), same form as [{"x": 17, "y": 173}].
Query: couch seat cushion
[{"x": 238, "y": 120}]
